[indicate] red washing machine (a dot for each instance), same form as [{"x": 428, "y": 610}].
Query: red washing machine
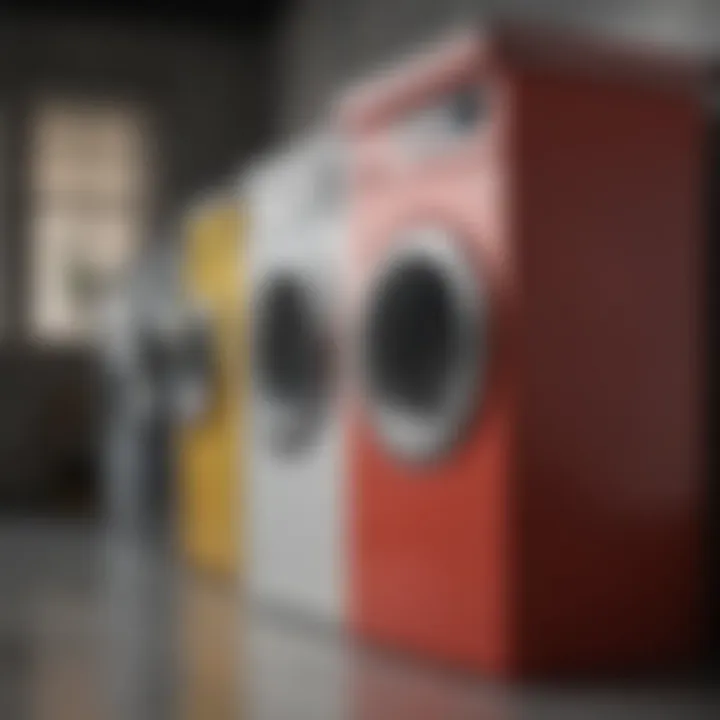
[{"x": 525, "y": 443}]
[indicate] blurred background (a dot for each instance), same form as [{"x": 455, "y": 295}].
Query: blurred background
[{"x": 112, "y": 122}]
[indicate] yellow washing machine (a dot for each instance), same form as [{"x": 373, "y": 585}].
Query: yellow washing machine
[{"x": 212, "y": 387}]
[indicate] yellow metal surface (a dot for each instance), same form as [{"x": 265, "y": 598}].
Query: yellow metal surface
[{"x": 209, "y": 468}]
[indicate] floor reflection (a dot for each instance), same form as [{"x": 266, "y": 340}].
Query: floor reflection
[
  {"x": 209, "y": 671},
  {"x": 96, "y": 628},
  {"x": 140, "y": 605}
]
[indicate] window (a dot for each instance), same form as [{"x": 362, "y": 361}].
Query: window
[{"x": 88, "y": 201}]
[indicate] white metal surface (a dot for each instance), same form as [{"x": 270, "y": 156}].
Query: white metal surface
[{"x": 295, "y": 503}]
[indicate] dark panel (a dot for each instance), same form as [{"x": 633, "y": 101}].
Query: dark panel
[{"x": 713, "y": 441}]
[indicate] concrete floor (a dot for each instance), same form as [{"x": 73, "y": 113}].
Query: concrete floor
[{"x": 94, "y": 629}]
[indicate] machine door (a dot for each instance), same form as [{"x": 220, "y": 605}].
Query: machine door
[
  {"x": 424, "y": 344},
  {"x": 290, "y": 359},
  {"x": 196, "y": 368}
]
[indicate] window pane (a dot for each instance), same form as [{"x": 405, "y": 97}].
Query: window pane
[{"x": 88, "y": 195}]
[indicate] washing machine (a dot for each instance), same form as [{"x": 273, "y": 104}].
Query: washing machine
[
  {"x": 524, "y": 440},
  {"x": 127, "y": 404},
  {"x": 135, "y": 349},
  {"x": 210, "y": 385},
  {"x": 296, "y": 473}
]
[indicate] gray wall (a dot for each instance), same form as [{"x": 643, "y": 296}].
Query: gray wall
[
  {"x": 205, "y": 95},
  {"x": 208, "y": 99}
]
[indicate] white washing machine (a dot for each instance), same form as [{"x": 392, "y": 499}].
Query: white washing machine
[{"x": 296, "y": 470}]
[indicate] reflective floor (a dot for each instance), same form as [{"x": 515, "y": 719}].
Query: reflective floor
[{"x": 93, "y": 628}]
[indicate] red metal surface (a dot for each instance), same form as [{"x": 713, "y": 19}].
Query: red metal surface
[
  {"x": 562, "y": 533},
  {"x": 610, "y": 247}
]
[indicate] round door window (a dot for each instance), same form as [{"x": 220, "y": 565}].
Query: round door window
[
  {"x": 425, "y": 344},
  {"x": 290, "y": 357},
  {"x": 195, "y": 366}
]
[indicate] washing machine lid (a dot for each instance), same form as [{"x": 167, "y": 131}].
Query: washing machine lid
[
  {"x": 299, "y": 184},
  {"x": 424, "y": 344},
  {"x": 290, "y": 357}
]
